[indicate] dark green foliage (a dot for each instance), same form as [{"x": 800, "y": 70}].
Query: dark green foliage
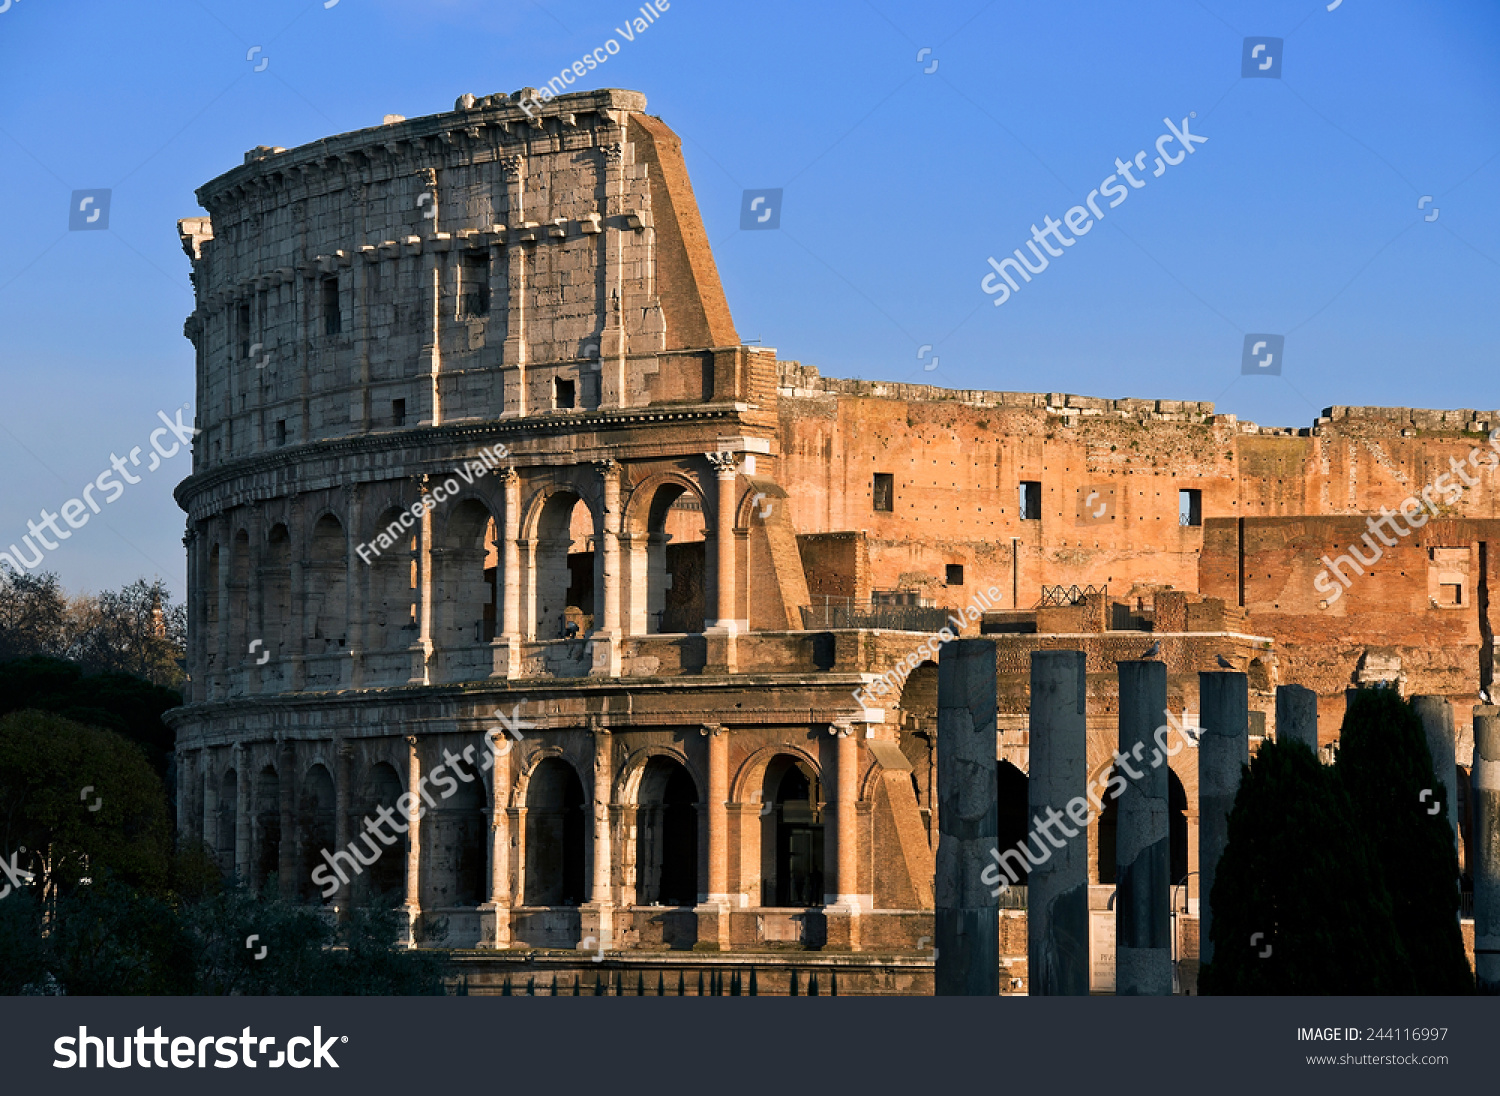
[
  {"x": 113, "y": 701},
  {"x": 1385, "y": 767},
  {"x": 1299, "y": 872}
]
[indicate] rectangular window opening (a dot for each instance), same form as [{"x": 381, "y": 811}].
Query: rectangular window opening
[
  {"x": 242, "y": 329},
  {"x": 398, "y": 412},
  {"x": 281, "y": 431},
  {"x": 1189, "y": 506},
  {"x": 955, "y": 575},
  {"x": 884, "y": 492},
  {"x": 1450, "y": 594},
  {"x": 474, "y": 286},
  {"x": 332, "y": 320},
  {"x": 564, "y": 394},
  {"x": 1031, "y": 500}
]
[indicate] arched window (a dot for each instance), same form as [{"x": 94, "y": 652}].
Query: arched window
[
  {"x": 228, "y": 813},
  {"x": 467, "y": 573},
  {"x": 275, "y": 580},
  {"x": 1013, "y": 816},
  {"x": 317, "y": 829},
  {"x": 565, "y": 574},
  {"x": 393, "y": 583},
  {"x": 667, "y": 835},
  {"x": 1107, "y": 822},
  {"x": 792, "y": 834},
  {"x": 1177, "y": 830},
  {"x": 326, "y": 587},
  {"x": 555, "y": 832},
  {"x": 267, "y": 836},
  {"x": 385, "y": 880},
  {"x": 676, "y": 566}
]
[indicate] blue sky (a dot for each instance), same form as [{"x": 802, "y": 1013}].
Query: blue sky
[{"x": 1300, "y": 215}]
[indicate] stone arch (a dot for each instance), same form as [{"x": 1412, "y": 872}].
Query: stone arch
[
  {"x": 1177, "y": 830},
  {"x": 454, "y": 830},
  {"x": 381, "y": 786},
  {"x": 392, "y": 623},
  {"x": 228, "y": 817},
  {"x": 666, "y": 557},
  {"x": 275, "y": 578},
  {"x": 327, "y": 585},
  {"x": 748, "y": 778},
  {"x": 557, "y": 831},
  {"x": 317, "y": 828},
  {"x": 628, "y": 782},
  {"x": 217, "y": 663},
  {"x": 466, "y": 572},
  {"x": 793, "y": 868},
  {"x": 563, "y": 587},
  {"x": 1012, "y": 810},
  {"x": 668, "y": 814},
  {"x": 266, "y": 833}
]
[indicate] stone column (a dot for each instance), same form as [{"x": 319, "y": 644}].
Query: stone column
[
  {"x": 211, "y": 809},
  {"x": 508, "y": 643},
  {"x": 1057, "y": 910},
  {"x": 343, "y": 764},
  {"x": 242, "y": 779},
  {"x": 714, "y": 910},
  {"x": 286, "y": 784},
  {"x": 1223, "y": 751},
  {"x": 613, "y": 340},
  {"x": 1485, "y": 787},
  {"x": 356, "y": 586},
  {"x": 494, "y": 915},
  {"x": 228, "y": 660},
  {"x": 725, "y": 626},
  {"x": 1143, "y": 923},
  {"x": 421, "y": 651},
  {"x": 513, "y": 353},
  {"x": 1436, "y": 714},
  {"x": 596, "y": 918},
  {"x": 606, "y": 640},
  {"x": 413, "y": 907},
  {"x": 967, "y": 920},
  {"x": 1297, "y": 715},
  {"x": 845, "y": 902}
]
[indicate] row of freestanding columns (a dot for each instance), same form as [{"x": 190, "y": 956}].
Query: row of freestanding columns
[{"x": 967, "y": 922}]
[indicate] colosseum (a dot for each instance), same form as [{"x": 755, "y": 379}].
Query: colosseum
[{"x": 499, "y": 537}]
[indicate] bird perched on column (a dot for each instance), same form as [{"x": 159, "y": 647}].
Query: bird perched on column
[
  {"x": 1153, "y": 650},
  {"x": 1223, "y": 662}
]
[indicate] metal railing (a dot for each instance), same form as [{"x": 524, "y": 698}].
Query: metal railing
[
  {"x": 1068, "y": 595},
  {"x": 848, "y": 613}
]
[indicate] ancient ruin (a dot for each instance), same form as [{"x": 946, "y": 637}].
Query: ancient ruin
[{"x": 490, "y": 494}]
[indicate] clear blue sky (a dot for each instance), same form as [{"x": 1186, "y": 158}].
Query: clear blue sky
[{"x": 1298, "y": 217}]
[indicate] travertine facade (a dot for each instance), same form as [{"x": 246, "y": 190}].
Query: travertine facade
[{"x": 691, "y": 554}]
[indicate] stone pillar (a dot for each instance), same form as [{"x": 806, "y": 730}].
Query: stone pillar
[
  {"x": 1057, "y": 910},
  {"x": 1436, "y": 714},
  {"x": 596, "y": 920},
  {"x": 356, "y": 585},
  {"x": 286, "y": 784},
  {"x": 722, "y": 630},
  {"x": 1485, "y": 788},
  {"x": 714, "y": 909},
  {"x": 1143, "y": 923},
  {"x": 508, "y": 644},
  {"x": 343, "y": 765},
  {"x": 605, "y": 643},
  {"x": 513, "y": 353},
  {"x": 613, "y": 339},
  {"x": 967, "y": 920},
  {"x": 421, "y": 651},
  {"x": 1297, "y": 715},
  {"x": 228, "y": 660},
  {"x": 1223, "y": 751},
  {"x": 242, "y": 780},
  {"x": 844, "y": 903},
  {"x": 413, "y": 908},
  {"x": 494, "y": 915},
  {"x": 211, "y": 809}
]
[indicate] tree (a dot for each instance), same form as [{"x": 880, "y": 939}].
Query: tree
[
  {"x": 1385, "y": 767},
  {"x": 112, "y": 701},
  {"x": 34, "y": 617},
  {"x": 1298, "y": 876},
  {"x": 135, "y": 630},
  {"x": 83, "y": 803}
]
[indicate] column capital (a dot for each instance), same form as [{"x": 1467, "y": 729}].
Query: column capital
[
  {"x": 724, "y": 463},
  {"x": 607, "y": 467},
  {"x": 411, "y": 741},
  {"x": 841, "y": 728},
  {"x": 713, "y": 730},
  {"x": 508, "y": 475}
]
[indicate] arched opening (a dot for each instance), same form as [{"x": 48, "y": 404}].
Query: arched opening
[
  {"x": 317, "y": 830},
  {"x": 556, "y": 826},
  {"x": 393, "y": 584},
  {"x": 457, "y": 830},
  {"x": 385, "y": 880},
  {"x": 676, "y": 564},
  {"x": 915, "y": 717},
  {"x": 792, "y": 834},
  {"x": 566, "y": 570},
  {"x": 667, "y": 835},
  {"x": 216, "y": 662},
  {"x": 467, "y": 570},
  {"x": 229, "y": 787},
  {"x": 239, "y": 598},
  {"x": 1177, "y": 830},
  {"x": 276, "y": 593},
  {"x": 1014, "y": 827},
  {"x": 267, "y": 862},
  {"x": 327, "y": 595},
  {"x": 1108, "y": 821}
]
